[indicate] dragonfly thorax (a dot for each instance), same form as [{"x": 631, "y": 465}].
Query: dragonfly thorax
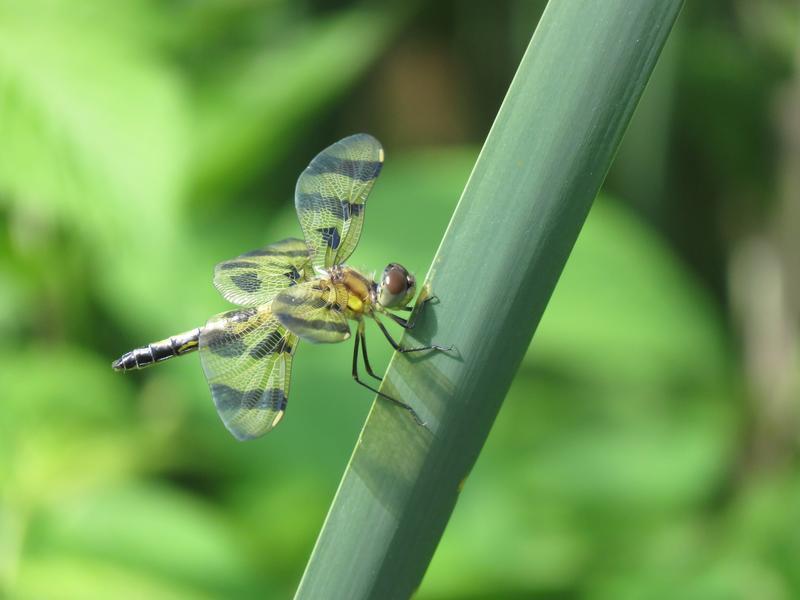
[{"x": 361, "y": 290}]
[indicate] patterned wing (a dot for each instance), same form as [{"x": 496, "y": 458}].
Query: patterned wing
[
  {"x": 247, "y": 358},
  {"x": 314, "y": 311},
  {"x": 331, "y": 195},
  {"x": 256, "y": 277}
]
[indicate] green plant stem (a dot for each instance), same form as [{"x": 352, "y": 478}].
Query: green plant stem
[{"x": 542, "y": 165}]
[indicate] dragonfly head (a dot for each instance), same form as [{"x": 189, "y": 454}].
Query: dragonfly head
[{"x": 396, "y": 287}]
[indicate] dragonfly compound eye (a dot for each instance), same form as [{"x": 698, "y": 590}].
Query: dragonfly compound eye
[
  {"x": 395, "y": 280},
  {"x": 397, "y": 286}
]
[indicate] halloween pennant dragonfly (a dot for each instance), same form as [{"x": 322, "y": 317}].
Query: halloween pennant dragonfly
[{"x": 294, "y": 290}]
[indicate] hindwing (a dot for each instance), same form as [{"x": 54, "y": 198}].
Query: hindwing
[{"x": 247, "y": 359}]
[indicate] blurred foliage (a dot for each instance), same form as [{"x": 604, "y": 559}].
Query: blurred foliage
[{"x": 143, "y": 141}]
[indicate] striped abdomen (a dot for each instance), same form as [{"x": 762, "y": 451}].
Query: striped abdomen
[{"x": 177, "y": 345}]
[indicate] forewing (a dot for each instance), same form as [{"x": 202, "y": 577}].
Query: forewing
[
  {"x": 256, "y": 277},
  {"x": 247, "y": 359},
  {"x": 313, "y": 311},
  {"x": 331, "y": 196}
]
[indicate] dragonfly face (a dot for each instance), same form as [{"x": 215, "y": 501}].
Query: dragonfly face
[{"x": 294, "y": 290}]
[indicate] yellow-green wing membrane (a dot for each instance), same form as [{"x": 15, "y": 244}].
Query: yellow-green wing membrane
[
  {"x": 256, "y": 277},
  {"x": 247, "y": 359},
  {"x": 314, "y": 311},
  {"x": 331, "y": 194}
]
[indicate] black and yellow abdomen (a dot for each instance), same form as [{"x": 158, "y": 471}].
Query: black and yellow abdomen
[{"x": 177, "y": 345}]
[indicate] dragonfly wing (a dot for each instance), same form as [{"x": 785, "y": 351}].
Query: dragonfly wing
[
  {"x": 255, "y": 278},
  {"x": 314, "y": 311},
  {"x": 331, "y": 195},
  {"x": 247, "y": 359}
]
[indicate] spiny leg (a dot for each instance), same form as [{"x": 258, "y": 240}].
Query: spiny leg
[
  {"x": 397, "y": 346},
  {"x": 364, "y": 351},
  {"x": 404, "y": 323},
  {"x": 381, "y": 394},
  {"x": 412, "y": 320}
]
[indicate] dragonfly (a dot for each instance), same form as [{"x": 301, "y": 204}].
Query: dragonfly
[{"x": 296, "y": 290}]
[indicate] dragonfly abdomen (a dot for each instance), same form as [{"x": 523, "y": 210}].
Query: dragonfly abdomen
[{"x": 177, "y": 345}]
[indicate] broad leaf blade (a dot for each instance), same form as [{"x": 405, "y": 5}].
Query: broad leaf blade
[{"x": 542, "y": 164}]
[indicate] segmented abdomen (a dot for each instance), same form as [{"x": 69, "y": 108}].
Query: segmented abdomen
[{"x": 177, "y": 345}]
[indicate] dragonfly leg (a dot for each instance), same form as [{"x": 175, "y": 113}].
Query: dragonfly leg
[
  {"x": 364, "y": 351},
  {"x": 412, "y": 320},
  {"x": 404, "y": 323},
  {"x": 399, "y": 348},
  {"x": 402, "y": 405}
]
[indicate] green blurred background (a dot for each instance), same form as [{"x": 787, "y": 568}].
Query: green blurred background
[{"x": 649, "y": 445}]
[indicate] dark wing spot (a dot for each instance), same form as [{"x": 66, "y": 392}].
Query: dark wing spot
[
  {"x": 330, "y": 236},
  {"x": 351, "y": 209},
  {"x": 224, "y": 344},
  {"x": 228, "y": 399},
  {"x": 273, "y": 343},
  {"x": 295, "y": 324},
  {"x": 341, "y": 209},
  {"x": 292, "y": 274},
  {"x": 237, "y": 264},
  {"x": 247, "y": 282}
]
